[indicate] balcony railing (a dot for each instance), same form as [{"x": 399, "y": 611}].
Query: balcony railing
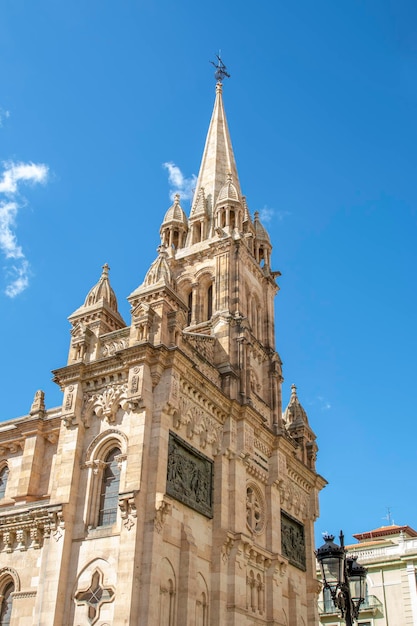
[{"x": 371, "y": 604}]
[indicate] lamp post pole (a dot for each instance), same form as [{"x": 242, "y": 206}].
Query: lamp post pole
[{"x": 343, "y": 576}]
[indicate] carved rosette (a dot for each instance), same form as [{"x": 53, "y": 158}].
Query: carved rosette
[
  {"x": 27, "y": 529},
  {"x": 105, "y": 405}
]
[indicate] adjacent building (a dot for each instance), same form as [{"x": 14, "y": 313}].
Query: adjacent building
[
  {"x": 170, "y": 488},
  {"x": 390, "y": 555}
]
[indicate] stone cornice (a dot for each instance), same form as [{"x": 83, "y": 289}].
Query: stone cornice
[{"x": 24, "y": 528}]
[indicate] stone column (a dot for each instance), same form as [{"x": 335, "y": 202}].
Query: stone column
[{"x": 187, "y": 578}]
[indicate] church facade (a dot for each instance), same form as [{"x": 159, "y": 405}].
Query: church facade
[{"x": 170, "y": 488}]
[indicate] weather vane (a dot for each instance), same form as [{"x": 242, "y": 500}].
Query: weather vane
[{"x": 220, "y": 72}]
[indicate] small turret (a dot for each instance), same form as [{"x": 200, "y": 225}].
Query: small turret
[
  {"x": 97, "y": 316},
  {"x": 262, "y": 246},
  {"x": 296, "y": 422},
  {"x": 228, "y": 212},
  {"x": 174, "y": 228}
]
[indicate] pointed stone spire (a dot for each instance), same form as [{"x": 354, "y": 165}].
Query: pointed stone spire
[
  {"x": 296, "y": 423},
  {"x": 159, "y": 272},
  {"x": 218, "y": 158},
  {"x": 295, "y": 415},
  {"x": 102, "y": 291}
]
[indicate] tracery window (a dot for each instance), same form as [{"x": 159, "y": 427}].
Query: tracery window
[
  {"x": 94, "y": 597},
  {"x": 109, "y": 494},
  {"x": 6, "y": 604},
  {"x": 4, "y": 475},
  {"x": 255, "y": 510}
]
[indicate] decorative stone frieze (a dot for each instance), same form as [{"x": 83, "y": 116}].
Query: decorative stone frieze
[
  {"x": 294, "y": 498},
  {"x": 204, "y": 344},
  {"x": 22, "y": 530},
  {"x": 11, "y": 447},
  {"x": 197, "y": 421},
  {"x": 111, "y": 343}
]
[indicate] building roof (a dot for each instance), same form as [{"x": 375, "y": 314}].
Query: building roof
[{"x": 386, "y": 531}]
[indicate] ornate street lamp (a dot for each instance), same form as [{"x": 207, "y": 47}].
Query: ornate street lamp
[{"x": 343, "y": 576}]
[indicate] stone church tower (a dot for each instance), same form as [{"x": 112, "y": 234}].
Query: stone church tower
[{"x": 170, "y": 489}]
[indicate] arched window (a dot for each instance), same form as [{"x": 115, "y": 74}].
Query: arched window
[
  {"x": 209, "y": 302},
  {"x": 4, "y": 475},
  {"x": 109, "y": 493},
  {"x": 190, "y": 308},
  {"x": 6, "y": 604}
]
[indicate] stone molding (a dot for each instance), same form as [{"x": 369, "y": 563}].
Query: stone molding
[{"x": 21, "y": 530}]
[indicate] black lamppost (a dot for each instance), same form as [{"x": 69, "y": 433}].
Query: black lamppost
[{"x": 343, "y": 576}]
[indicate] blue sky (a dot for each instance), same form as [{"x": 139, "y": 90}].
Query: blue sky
[{"x": 97, "y": 96}]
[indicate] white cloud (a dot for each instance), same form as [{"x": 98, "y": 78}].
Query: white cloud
[
  {"x": 13, "y": 175},
  {"x": 3, "y": 115},
  {"x": 8, "y": 243},
  {"x": 179, "y": 183},
  {"x": 267, "y": 214},
  {"x": 324, "y": 404},
  {"x": 21, "y": 280}
]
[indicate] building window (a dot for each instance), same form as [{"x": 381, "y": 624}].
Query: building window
[
  {"x": 6, "y": 604},
  {"x": 329, "y": 607},
  {"x": 190, "y": 308},
  {"x": 209, "y": 302},
  {"x": 109, "y": 493},
  {"x": 4, "y": 475},
  {"x": 94, "y": 597},
  {"x": 255, "y": 509}
]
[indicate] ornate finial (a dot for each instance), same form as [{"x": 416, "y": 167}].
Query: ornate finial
[
  {"x": 293, "y": 390},
  {"x": 105, "y": 269},
  {"x": 177, "y": 198},
  {"x": 38, "y": 404},
  {"x": 220, "y": 72}
]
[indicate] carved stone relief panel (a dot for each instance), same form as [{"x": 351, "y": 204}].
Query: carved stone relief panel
[
  {"x": 105, "y": 404},
  {"x": 198, "y": 422},
  {"x": 189, "y": 476},
  {"x": 293, "y": 541}
]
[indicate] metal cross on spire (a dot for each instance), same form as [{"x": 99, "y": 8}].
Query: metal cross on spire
[{"x": 220, "y": 72}]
